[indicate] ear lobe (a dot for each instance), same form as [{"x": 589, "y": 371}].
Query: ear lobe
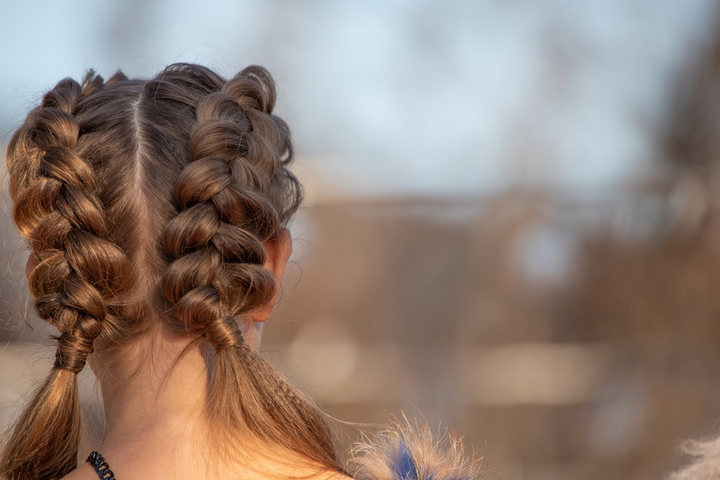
[{"x": 278, "y": 250}]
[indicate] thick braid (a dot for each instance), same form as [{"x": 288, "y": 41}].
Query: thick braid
[
  {"x": 57, "y": 210},
  {"x": 62, "y": 217},
  {"x": 235, "y": 193},
  {"x": 216, "y": 239}
]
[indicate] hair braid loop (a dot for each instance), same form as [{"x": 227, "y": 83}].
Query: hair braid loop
[
  {"x": 191, "y": 229},
  {"x": 201, "y": 180},
  {"x": 53, "y": 127},
  {"x": 61, "y": 163},
  {"x": 66, "y": 94},
  {"x": 199, "y": 307}
]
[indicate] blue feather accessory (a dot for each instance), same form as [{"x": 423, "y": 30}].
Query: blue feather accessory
[{"x": 406, "y": 450}]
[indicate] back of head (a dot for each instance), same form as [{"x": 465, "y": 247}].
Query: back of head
[{"x": 146, "y": 203}]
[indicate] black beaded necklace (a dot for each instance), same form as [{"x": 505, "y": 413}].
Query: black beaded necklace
[{"x": 101, "y": 466}]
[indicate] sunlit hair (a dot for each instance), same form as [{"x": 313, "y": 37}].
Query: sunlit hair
[{"x": 149, "y": 201}]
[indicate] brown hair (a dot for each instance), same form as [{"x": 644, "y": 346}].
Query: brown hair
[{"x": 168, "y": 186}]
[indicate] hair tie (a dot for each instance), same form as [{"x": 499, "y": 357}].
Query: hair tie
[
  {"x": 72, "y": 352},
  {"x": 224, "y": 333}
]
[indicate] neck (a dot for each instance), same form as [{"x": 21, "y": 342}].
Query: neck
[
  {"x": 154, "y": 399},
  {"x": 154, "y": 395}
]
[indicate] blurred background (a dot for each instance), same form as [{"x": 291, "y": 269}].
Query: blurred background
[{"x": 511, "y": 224}]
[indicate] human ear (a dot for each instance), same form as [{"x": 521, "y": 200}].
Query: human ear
[
  {"x": 278, "y": 250},
  {"x": 30, "y": 265}
]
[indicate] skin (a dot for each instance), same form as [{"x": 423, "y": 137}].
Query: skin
[{"x": 153, "y": 394}]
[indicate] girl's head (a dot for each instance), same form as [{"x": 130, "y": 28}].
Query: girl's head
[
  {"x": 141, "y": 199},
  {"x": 152, "y": 206}
]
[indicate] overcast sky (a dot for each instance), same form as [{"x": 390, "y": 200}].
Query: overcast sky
[{"x": 401, "y": 97}]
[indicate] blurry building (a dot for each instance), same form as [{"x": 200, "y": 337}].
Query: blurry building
[{"x": 573, "y": 338}]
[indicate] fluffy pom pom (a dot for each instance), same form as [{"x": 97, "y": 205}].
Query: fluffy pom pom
[{"x": 408, "y": 450}]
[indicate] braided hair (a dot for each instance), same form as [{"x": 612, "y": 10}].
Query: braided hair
[{"x": 150, "y": 201}]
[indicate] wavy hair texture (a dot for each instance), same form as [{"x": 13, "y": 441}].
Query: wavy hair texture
[{"x": 146, "y": 201}]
